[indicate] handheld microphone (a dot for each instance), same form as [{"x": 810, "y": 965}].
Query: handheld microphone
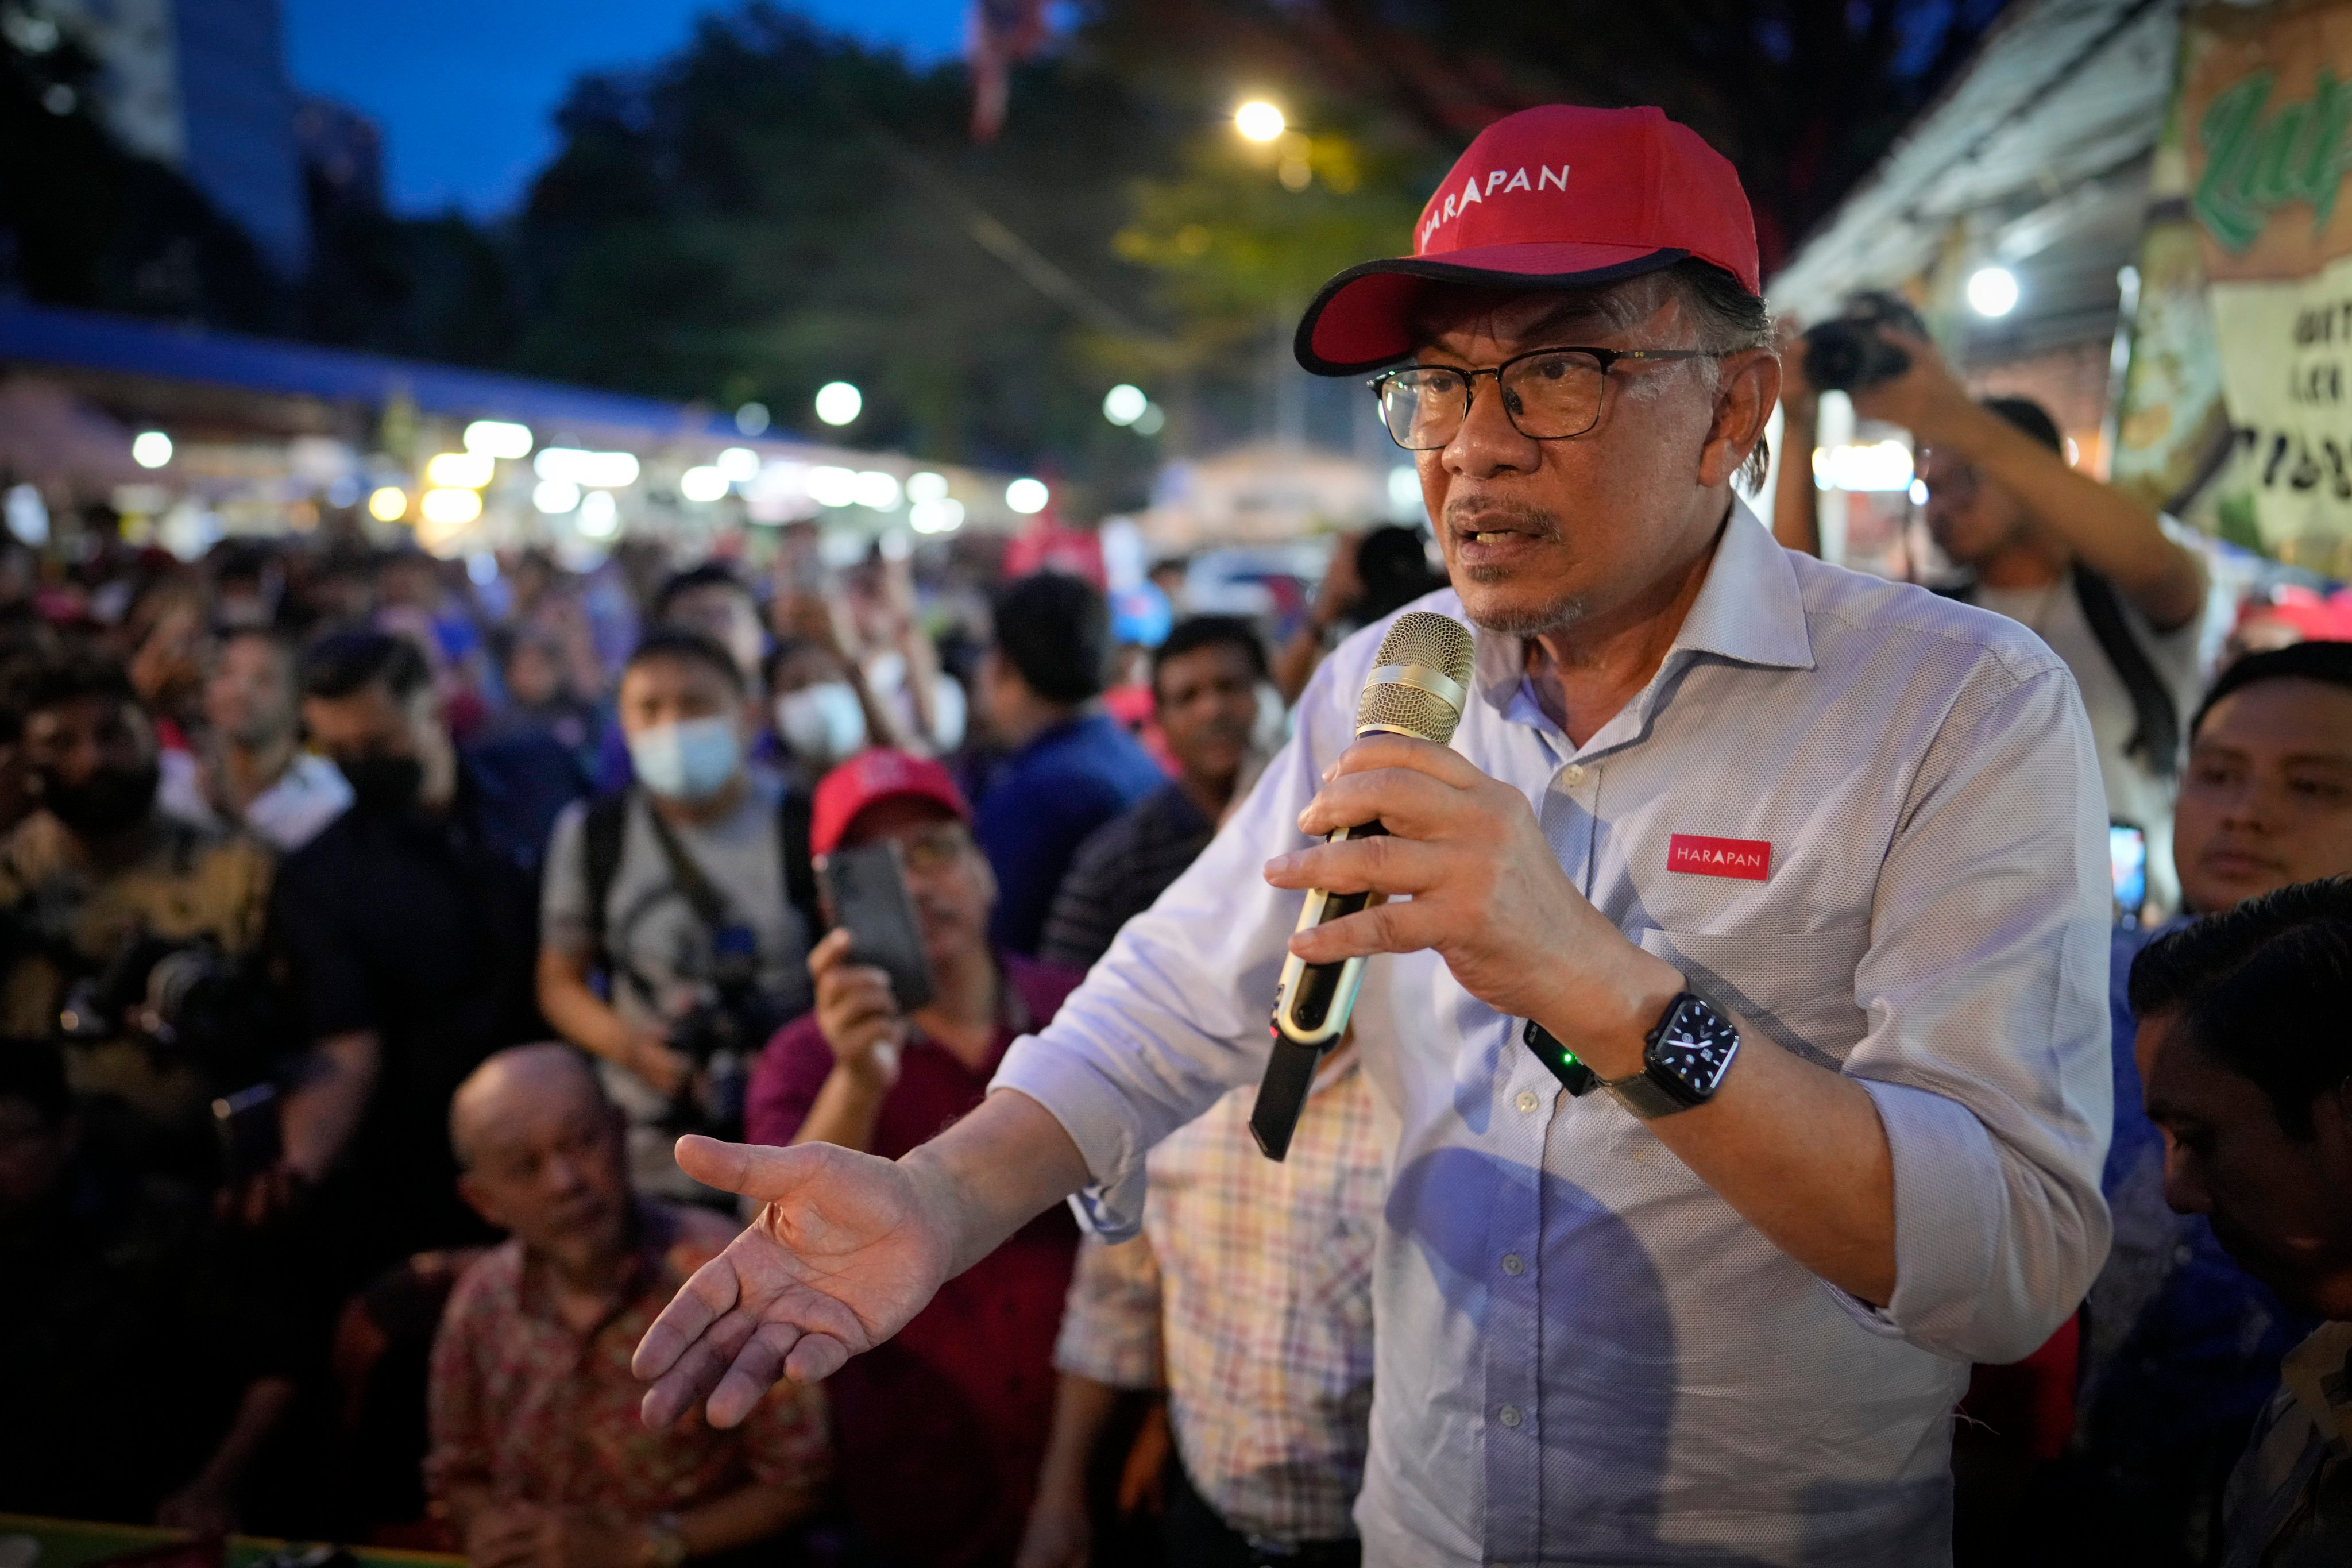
[{"x": 1417, "y": 685}]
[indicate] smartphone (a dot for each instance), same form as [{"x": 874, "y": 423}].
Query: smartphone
[
  {"x": 2127, "y": 864},
  {"x": 247, "y": 1124},
  {"x": 866, "y": 891}
]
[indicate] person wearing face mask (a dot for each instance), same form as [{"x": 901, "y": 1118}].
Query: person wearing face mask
[
  {"x": 955, "y": 1412},
  {"x": 690, "y": 893},
  {"x": 95, "y": 885},
  {"x": 408, "y": 932},
  {"x": 825, "y": 714}
]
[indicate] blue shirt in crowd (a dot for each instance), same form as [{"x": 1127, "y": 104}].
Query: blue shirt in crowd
[
  {"x": 2182, "y": 1346},
  {"x": 1041, "y": 805}
]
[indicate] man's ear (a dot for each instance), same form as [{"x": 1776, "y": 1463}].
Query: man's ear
[
  {"x": 1744, "y": 400},
  {"x": 481, "y": 1200}
]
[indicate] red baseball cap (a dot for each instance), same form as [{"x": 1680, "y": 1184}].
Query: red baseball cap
[
  {"x": 868, "y": 779},
  {"x": 1557, "y": 197}
]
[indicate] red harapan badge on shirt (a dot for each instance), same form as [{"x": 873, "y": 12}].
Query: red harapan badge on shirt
[{"x": 1747, "y": 858}]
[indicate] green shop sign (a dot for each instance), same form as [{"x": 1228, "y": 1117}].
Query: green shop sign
[{"x": 2255, "y": 163}]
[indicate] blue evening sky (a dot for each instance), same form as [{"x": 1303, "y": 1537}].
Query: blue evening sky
[{"x": 464, "y": 90}]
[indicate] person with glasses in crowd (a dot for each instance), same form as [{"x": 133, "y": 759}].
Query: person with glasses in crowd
[
  {"x": 941, "y": 1433},
  {"x": 1794, "y": 880},
  {"x": 2089, "y": 570}
]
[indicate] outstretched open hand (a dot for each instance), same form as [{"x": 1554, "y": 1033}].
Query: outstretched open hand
[{"x": 839, "y": 1257}]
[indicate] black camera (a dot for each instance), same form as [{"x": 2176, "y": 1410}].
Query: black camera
[
  {"x": 166, "y": 993},
  {"x": 1847, "y": 351},
  {"x": 723, "y": 1032}
]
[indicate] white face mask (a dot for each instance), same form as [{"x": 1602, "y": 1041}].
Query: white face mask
[
  {"x": 823, "y": 723},
  {"x": 690, "y": 760}
]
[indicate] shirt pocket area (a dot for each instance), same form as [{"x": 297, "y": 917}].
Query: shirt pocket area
[{"x": 1794, "y": 987}]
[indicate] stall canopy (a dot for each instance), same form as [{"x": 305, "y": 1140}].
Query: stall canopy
[
  {"x": 2035, "y": 158},
  {"x": 161, "y": 369}
]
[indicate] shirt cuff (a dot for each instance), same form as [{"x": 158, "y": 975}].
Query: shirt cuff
[
  {"x": 1948, "y": 1206},
  {"x": 1096, "y": 1115}
]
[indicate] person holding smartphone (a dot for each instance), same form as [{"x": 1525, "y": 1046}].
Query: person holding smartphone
[{"x": 955, "y": 1411}]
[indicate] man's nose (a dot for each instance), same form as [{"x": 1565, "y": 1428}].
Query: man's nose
[
  {"x": 1489, "y": 443},
  {"x": 2184, "y": 1183}
]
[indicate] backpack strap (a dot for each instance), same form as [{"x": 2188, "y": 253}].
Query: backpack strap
[
  {"x": 2156, "y": 716},
  {"x": 601, "y": 835}
]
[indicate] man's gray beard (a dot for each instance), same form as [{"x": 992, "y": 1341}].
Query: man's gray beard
[{"x": 1557, "y": 616}]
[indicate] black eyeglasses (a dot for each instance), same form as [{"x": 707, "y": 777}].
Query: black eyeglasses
[{"x": 1549, "y": 395}]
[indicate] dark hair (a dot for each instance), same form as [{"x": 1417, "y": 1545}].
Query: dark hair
[
  {"x": 1392, "y": 564},
  {"x": 2031, "y": 417},
  {"x": 34, "y": 1072},
  {"x": 1054, "y": 630},
  {"x": 2327, "y": 661},
  {"x": 278, "y": 641},
  {"x": 1196, "y": 631},
  {"x": 709, "y": 574},
  {"x": 342, "y": 664},
  {"x": 2258, "y": 989},
  {"x": 75, "y": 677},
  {"x": 684, "y": 643}
]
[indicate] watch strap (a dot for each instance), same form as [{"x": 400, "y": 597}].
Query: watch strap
[{"x": 1645, "y": 1095}]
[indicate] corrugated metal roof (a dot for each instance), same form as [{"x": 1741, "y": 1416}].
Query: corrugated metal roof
[{"x": 2038, "y": 147}]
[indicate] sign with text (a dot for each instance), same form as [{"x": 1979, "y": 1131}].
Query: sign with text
[{"x": 2265, "y": 121}]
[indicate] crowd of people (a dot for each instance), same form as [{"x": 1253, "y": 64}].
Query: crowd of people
[{"x": 373, "y": 928}]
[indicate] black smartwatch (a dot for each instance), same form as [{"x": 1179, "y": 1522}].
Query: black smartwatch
[{"x": 1684, "y": 1060}]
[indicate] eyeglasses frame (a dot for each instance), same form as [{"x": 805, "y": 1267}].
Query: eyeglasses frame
[{"x": 1610, "y": 359}]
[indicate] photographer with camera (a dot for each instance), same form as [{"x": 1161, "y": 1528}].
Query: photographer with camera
[
  {"x": 125, "y": 934},
  {"x": 2084, "y": 566},
  {"x": 690, "y": 893}
]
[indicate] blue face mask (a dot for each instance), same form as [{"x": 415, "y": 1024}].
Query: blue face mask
[{"x": 690, "y": 760}]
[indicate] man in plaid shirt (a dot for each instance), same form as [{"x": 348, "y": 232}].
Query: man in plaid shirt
[{"x": 1248, "y": 1297}]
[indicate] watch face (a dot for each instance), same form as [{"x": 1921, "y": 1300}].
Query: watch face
[{"x": 1695, "y": 1048}]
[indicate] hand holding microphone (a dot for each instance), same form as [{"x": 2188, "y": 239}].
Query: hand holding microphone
[{"x": 1487, "y": 893}]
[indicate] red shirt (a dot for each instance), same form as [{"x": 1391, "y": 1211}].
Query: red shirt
[{"x": 940, "y": 1430}]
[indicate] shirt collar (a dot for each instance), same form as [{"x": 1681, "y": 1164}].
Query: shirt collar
[
  {"x": 1749, "y": 610},
  {"x": 2318, "y": 1373}
]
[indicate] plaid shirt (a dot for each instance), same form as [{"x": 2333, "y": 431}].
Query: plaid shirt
[
  {"x": 1249, "y": 1294},
  {"x": 2290, "y": 1499}
]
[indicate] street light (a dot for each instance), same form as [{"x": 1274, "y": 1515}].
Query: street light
[
  {"x": 1259, "y": 120},
  {"x": 150, "y": 449},
  {"x": 1993, "y": 290},
  {"x": 838, "y": 402},
  {"x": 388, "y": 503},
  {"x": 1026, "y": 497},
  {"x": 1124, "y": 405}
]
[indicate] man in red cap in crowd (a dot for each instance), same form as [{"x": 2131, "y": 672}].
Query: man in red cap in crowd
[
  {"x": 941, "y": 1431},
  {"x": 1740, "y": 1047}
]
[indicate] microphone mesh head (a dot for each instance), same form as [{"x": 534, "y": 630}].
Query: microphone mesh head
[{"x": 1432, "y": 642}]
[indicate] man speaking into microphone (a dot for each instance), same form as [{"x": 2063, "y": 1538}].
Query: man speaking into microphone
[{"x": 1799, "y": 876}]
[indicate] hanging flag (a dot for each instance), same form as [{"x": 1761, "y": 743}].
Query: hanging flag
[{"x": 1000, "y": 35}]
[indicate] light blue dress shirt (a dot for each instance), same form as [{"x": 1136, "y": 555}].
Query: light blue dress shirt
[{"x": 1584, "y": 1355}]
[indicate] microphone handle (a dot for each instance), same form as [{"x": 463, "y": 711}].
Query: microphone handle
[{"x": 1310, "y": 1014}]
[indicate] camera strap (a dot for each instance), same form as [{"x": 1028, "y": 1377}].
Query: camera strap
[{"x": 709, "y": 904}]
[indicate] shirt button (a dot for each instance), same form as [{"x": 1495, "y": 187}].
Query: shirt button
[
  {"x": 1509, "y": 1416},
  {"x": 1514, "y": 1265},
  {"x": 1527, "y": 1101},
  {"x": 1572, "y": 774}
]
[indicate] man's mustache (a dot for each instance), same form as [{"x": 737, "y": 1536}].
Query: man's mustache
[{"x": 1470, "y": 513}]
